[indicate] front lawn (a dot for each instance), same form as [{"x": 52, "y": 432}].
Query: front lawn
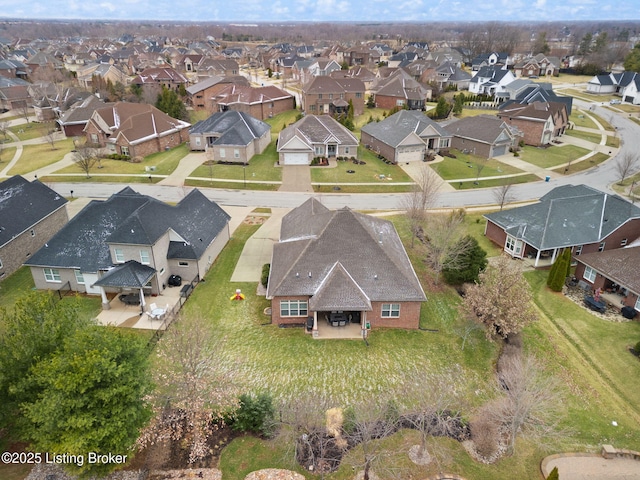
[
  {"x": 581, "y": 119},
  {"x": 29, "y": 131},
  {"x": 465, "y": 166},
  {"x": 7, "y": 154},
  {"x": 588, "y": 136},
  {"x": 552, "y": 156},
  {"x": 164, "y": 163},
  {"x": 260, "y": 167},
  {"x": 590, "y": 162},
  {"x": 494, "y": 182},
  {"x": 37, "y": 156}
]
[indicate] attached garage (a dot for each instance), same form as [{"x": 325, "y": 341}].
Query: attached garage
[
  {"x": 296, "y": 159},
  {"x": 410, "y": 154},
  {"x": 500, "y": 150}
]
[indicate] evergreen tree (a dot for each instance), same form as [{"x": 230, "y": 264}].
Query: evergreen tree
[
  {"x": 467, "y": 265},
  {"x": 458, "y": 104},
  {"x": 169, "y": 102},
  {"x": 442, "y": 108},
  {"x": 554, "y": 475},
  {"x": 558, "y": 272},
  {"x": 632, "y": 60}
]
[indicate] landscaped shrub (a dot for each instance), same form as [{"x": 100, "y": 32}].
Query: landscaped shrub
[
  {"x": 255, "y": 414},
  {"x": 559, "y": 271},
  {"x": 468, "y": 264},
  {"x": 636, "y": 349},
  {"x": 484, "y": 433},
  {"x": 554, "y": 475},
  {"x": 264, "y": 279}
]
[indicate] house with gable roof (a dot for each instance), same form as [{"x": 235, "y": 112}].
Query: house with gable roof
[
  {"x": 483, "y": 135},
  {"x": 130, "y": 234},
  {"x": 405, "y": 136},
  {"x": 342, "y": 266},
  {"x": 30, "y": 214},
  {"x": 327, "y": 95},
  {"x": 135, "y": 129},
  {"x": 400, "y": 89},
  {"x": 315, "y": 136},
  {"x": 625, "y": 84},
  {"x": 259, "y": 102},
  {"x": 578, "y": 217},
  {"x": 491, "y": 80},
  {"x": 540, "y": 122},
  {"x": 230, "y": 136}
]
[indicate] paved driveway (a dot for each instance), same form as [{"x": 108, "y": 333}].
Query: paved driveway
[
  {"x": 296, "y": 178},
  {"x": 592, "y": 467},
  {"x": 257, "y": 250}
]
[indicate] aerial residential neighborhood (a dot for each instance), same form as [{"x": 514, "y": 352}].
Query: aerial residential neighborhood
[{"x": 302, "y": 250}]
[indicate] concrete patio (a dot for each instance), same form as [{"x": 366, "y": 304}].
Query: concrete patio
[
  {"x": 352, "y": 331},
  {"x": 130, "y": 316}
]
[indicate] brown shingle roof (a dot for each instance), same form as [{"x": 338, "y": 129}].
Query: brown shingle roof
[{"x": 619, "y": 265}]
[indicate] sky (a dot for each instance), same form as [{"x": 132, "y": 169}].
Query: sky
[{"x": 247, "y": 11}]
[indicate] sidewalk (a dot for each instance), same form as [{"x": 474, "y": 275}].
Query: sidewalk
[{"x": 186, "y": 166}]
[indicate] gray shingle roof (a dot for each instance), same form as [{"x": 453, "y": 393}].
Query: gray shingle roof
[
  {"x": 128, "y": 217},
  {"x": 566, "y": 216},
  {"x": 394, "y": 129},
  {"x": 130, "y": 274},
  {"x": 234, "y": 128},
  {"x": 23, "y": 204},
  {"x": 313, "y": 129},
  {"x": 367, "y": 249},
  {"x": 482, "y": 128}
]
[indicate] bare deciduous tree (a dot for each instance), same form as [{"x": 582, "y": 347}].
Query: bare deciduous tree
[
  {"x": 625, "y": 165},
  {"x": 443, "y": 240},
  {"x": 422, "y": 197},
  {"x": 501, "y": 300},
  {"x": 194, "y": 387},
  {"x": 85, "y": 157},
  {"x": 4, "y": 128},
  {"x": 503, "y": 194},
  {"x": 50, "y": 135},
  {"x": 24, "y": 111},
  {"x": 532, "y": 401}
]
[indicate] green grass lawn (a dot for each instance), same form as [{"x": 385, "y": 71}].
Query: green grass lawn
[
  {"x": 551, "y": 156},
  {"x": 590, "y": 162},
  {"x": 465, "y": 165},
  {"x": 7, "y": 154},
  {"x": 587, "y": 96},
  {"x": 613, "y": 141},
  {"x": 165, "y": 163},
  {"x": 37, "y": 156},
  {"x": 261, "y": 167},
  {"x": 588, "y": 136},
  {"x": 29, "y": 131},
  {"x": 626, "y": 107},
  {"x": 494, "y": 182},
  {"x": 581, "y": 119},
  {"x": 282, "y": 120}
]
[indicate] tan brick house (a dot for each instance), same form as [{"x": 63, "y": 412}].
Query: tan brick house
[
  {"x": 341, "y": 267},
  {"x": 259, "y": 102},
  {"x": 30, "y": 214},
  {"x": 540, "y": 122}
]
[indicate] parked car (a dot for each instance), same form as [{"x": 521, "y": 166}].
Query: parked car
[{"x": 615, "y": 102}]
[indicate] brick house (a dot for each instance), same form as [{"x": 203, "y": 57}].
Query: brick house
[
  {"x": 162, "y": 239},
  {"x": 315, "y": 136},
  {"x": 135, "y": 129},
  {"x": 200, "y": 95},
  {"x": 341, "y": 262},
  {"x": 30, "y": 214},
  {"x": 615, "y": 271},
  {"x": 405, "y": 136},
  {"x": 259, "y": 102},
  {"x": 400, "y": 89},
  {"x": 540, "y": 122},
  {"x": 577, "y": 217},
  {"x": 326, "y": 95},
  {"x": 155, "y": 79},
  {"x": 230, "y": 136},
  {"x": 73, "y": 121},
  {"x": 483, "y": 135}
]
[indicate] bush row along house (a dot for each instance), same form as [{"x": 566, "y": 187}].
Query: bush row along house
[{"x": 127, "y": 235}]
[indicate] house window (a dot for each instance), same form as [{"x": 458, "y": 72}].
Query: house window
[
  {"x": 236, "y": 153},
  {"x": 94, "y": 138},
  {"x": 346, "y": 150},
  {"x": 293, "y": 308},
  {"x": 623, "y": 242},
  {"x": 589, "y": 274},
  {"x": 313, "y": 108},
  {"x": 223, "y": 154},
  {"x": 358, "y": 95},
  {"x": 197, "y": 139},
  {"x": 51, "y": 275},
  {"x": 79, "y": 277},
  {"x": 342, "y": 96},
  {"x": 601, "y": 246},
  {"x": 443, "y": 143},
  {"x": 637, "y": 305},
  {"x": 124, "y": 150},
  {"x": 390, "y": 310},
  {"x": 119, "y": 255},
  {"x": 318, "y": 150},
  {"x": 399, "y": 103},
  {"x": 33, "y": 233},
  {"x": 319, "y": 96},
  {"x": 513, "y": 246},
  {"x": 578, "y": 250},
  {"x": 1, "y": 263},
  {"x": 144, "y": 257},
  {"x": 183, "y": 264}
]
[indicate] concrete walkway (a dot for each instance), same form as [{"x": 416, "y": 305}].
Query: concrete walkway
[
  {"x": 258, "y": 249},
  {"x": 592, "y": 467},
  {"x": 187, "y": 165}
]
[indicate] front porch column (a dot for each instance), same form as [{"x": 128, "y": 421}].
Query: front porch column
[
  {"x": 363, "y": 323},
  {"x": 537, "y": 258},
  {"x": 105, "y": 300},
  {"x": 553, "y": 257},
  {"x": 315, "y": 324}
]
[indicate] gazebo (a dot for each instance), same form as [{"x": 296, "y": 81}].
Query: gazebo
[{"x": 131, "y": 275}]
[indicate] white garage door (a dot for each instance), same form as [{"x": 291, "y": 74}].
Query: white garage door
[
  {"x": 410, "y": 154},
  {"x": 296, "y": 159}
]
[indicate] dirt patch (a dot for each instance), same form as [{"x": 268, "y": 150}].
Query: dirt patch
[{"x": 254, "y": 220}]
